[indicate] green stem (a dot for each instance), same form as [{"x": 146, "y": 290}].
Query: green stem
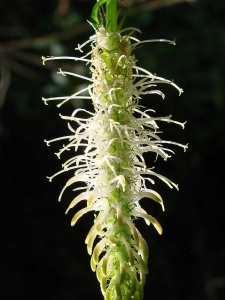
[{"x": 111, "y": 15}]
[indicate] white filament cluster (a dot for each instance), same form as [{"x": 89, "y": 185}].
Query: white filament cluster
[{"x": 113, "y": 168}]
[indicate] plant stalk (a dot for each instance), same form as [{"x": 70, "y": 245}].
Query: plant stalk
[{"x": 111, "y": 15}]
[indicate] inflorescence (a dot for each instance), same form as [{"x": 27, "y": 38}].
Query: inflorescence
[{"x": 112, "y": 168}]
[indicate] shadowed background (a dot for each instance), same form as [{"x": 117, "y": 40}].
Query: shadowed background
[{"x": 43, "y": 257}]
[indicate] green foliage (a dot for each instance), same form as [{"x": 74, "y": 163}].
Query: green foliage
[{"x": 95, "y": 20}]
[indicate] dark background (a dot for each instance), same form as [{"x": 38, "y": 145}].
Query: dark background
[{"x": 43, "y": 257}]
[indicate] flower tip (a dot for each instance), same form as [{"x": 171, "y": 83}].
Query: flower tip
[
  {"x": 182, "y": 124},
  {"x": 158, "y": 227},
  {"x": 174, "y": 42},
  {"x": 43, "y": 60},
  {"x": 45, "y": 100},
  {"x": 49, "y": 178},
  {"x": 61, "y": 72},
  {"x": 180, "y": 91},
  {"x": 47, "y": 143},
  {"x": 79, "y": 48},
  {"x": 57, "y": 154}
]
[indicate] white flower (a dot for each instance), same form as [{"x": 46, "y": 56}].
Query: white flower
[{"x": 113, "y": 166}]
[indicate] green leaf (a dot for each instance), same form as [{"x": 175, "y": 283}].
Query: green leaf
[{"x": 94, "y": 15}]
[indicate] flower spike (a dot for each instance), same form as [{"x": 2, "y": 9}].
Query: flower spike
[{"x": 112, "y": 169}]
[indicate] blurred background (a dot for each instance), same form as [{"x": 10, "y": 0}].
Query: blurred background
[{"x": 43, "y": 257}]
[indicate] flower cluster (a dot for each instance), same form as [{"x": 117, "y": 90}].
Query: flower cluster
[{"x": 113, "y": 168}]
